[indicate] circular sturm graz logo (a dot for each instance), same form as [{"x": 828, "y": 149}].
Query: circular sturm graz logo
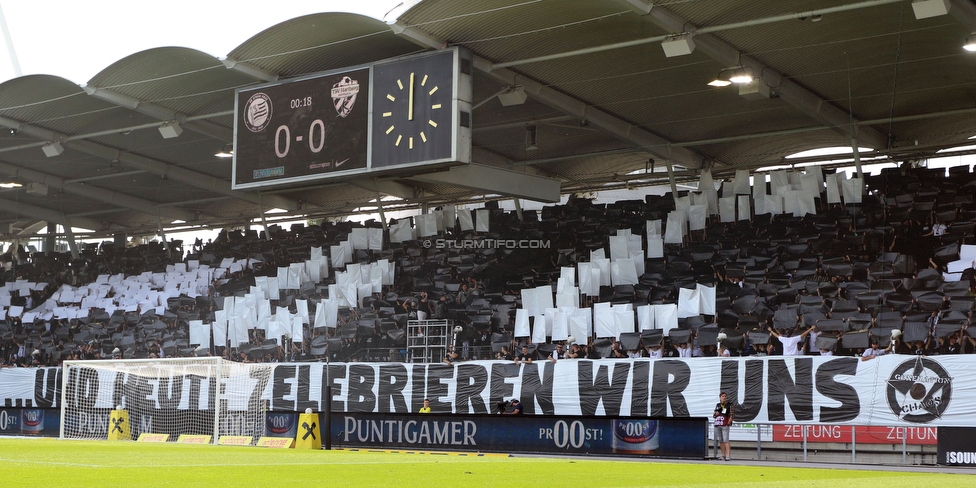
[
  {"x": 919, "y": 390},
  {"x": 257, "y": 112}
]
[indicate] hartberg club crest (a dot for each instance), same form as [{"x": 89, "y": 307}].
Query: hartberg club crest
[
  {"x": 919, "y": 390},
  {"x": 257, "y": 112},
  {"x": 344, "y": 95}
]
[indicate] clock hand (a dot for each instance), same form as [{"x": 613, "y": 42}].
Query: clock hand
[{"x": 410, "y": 99}]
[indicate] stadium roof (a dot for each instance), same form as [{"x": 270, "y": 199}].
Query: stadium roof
[{"x": 602, "y": 94}]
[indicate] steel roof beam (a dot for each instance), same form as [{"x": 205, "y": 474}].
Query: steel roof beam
[
  {"x": 964, "y": 11},
  {"x": 48, "y": 215},
  {"x": 497, "y": 180},
  {"x": 165, "y": 170},
  {"x": 387, "y": 187},
  {"x": 250, "y": 70},
  {"x": 483, "y": 156},
  {"x": 789, "y": 91},
  {"x": 204, "y": 127},
  {"x": 652, "y": 143},
  {"x": 99, "y": 194}
]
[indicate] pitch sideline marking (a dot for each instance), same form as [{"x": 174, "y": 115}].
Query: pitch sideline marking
[
  {"x": 58, "y": 463},
  {"x": 431, "y": 453},
  {"x": 211, "y": 465}
]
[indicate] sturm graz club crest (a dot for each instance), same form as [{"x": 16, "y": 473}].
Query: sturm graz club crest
[
  {"x": 344, "y": 95},
  {"x": 257, "y": 112},
  {"x": 919, "y": 390}
]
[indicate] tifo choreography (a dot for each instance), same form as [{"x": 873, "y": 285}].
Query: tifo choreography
[{"x": 766, "y": 390}]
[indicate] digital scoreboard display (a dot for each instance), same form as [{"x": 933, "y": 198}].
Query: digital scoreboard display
[
  {"x": 302, "y": 129},
  {"x": 383, "y": 117}
]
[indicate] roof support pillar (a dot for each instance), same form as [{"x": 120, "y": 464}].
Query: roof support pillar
[
  {"x": 264, "y": 221},
  {"x": 857, "y": 158},
  {"x": 674, "y": 184},
  {"x": 162, "y": 235},
  {"x": 72, "y": 244},
  {"x": 379, "y": 208},
  {"x": 51, "y": 240}
]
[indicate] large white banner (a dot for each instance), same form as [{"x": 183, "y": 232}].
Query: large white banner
[{"x": 892, "y": 390}]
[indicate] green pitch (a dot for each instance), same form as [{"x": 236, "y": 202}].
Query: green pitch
[{"x": 52, "y": 463}]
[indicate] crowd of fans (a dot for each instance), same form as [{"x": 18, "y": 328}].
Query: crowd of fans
[{"x": 860, "y": 279}]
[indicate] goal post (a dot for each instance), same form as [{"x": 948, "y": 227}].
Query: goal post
[{"x": 180, "y": 396}]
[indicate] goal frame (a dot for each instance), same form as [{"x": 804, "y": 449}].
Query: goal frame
[{"x": 217, "y": 363}]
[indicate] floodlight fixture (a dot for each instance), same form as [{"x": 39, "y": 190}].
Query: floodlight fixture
[
  {"x": 741, "y": 75},
  {"x": 722, "y": 79},
  {"x": 738, "y": 75},
  {"x": 227, "y": 151},
  {"x": 970, "y": 44}
]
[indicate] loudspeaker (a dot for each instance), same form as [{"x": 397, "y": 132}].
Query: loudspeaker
[
  {"x": 515, "y": 96},
  {"x": 37, "y": 188},
  {"x": 930, "y": 8},
  {"x": 678, "y": 46},
  {"x": 170, "y": 130},
  {"x": 531, "y": 138},
  {"x": 52, "y": 149},
  {"x": 754, "y": 90}
]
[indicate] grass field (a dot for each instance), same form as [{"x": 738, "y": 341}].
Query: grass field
[{"x": 52, "y": 463}]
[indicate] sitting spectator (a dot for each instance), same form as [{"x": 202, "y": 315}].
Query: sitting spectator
[{"x": 452, "y": 355}]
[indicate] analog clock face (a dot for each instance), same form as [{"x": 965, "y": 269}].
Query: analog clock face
[
  {"x": 413, "y": 110},
  {"x": 422, "y": 99}
]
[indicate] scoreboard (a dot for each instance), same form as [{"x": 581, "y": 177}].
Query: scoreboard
[{"x": 379, "y": 118}]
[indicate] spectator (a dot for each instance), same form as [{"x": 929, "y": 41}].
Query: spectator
[
  {"x": 516, "y": 407},
  {"x": 452, "y": 355},
  {"x": 790, "y": 342},
  {"x": 440, "y": 308},
  {"x": 873, "y": 351},
  {"x": 557, "y": 353},
  {"x": 949, "y": 345},
  {"x": 722, "y": 418},
  {"x": 424, "y": 308}
]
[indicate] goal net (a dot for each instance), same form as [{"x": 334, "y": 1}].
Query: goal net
[{"x": 181, "y": 396}]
